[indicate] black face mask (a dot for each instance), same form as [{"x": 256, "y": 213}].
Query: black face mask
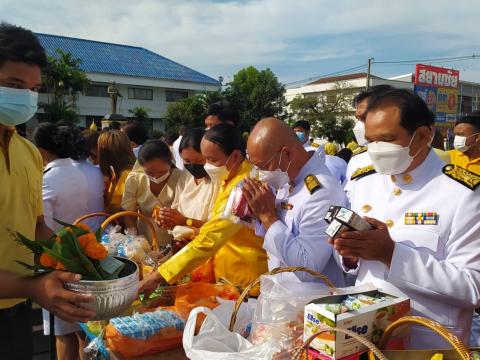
[{"x": 197, "y": 170}]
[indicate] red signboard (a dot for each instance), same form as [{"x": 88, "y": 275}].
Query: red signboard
[{"x": 435, "y": 76}]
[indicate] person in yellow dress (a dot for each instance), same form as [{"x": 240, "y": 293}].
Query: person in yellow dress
[
  {"x": 467, "y": 143},
  {"x": 238, "y": 253}
]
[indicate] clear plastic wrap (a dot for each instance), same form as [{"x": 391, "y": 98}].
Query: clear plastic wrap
[{"x": 237, "y": 209}]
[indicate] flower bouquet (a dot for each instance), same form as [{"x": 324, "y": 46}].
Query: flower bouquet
[
  {"x": 113, "y": 281},
  {"x": 74, "y": 248}
]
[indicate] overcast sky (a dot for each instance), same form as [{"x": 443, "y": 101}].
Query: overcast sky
[{"x": 297, "y": 39}]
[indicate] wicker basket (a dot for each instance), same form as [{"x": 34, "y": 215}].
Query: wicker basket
[
  {"x": 244, "y": 296},
  {"x": 459, "y": 352}
]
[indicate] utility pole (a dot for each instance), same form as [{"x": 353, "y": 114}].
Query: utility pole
[{"x": 370, "y": 61}]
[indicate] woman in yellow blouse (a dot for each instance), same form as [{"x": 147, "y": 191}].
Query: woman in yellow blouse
[
  {"x": 150, "y": 185},
  {"x": 238, "y": 253},
  {"x": 116, "y": 160}
]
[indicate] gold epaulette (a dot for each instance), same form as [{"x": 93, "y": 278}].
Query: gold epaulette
[
  {"x": 360, "y": 150},
  {"x": 315, "y": 145},
  {"x": 312, "y": 183},
  {"x": 463, "y": 176},
  {"x": 362, "y": 172}
]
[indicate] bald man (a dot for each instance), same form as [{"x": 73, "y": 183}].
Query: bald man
[{"x": 291, "y": 216}]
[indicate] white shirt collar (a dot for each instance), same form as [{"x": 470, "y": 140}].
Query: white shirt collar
[{"x": 58, "y": 163}]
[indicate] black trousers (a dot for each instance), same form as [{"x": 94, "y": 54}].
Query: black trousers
[{"x": 16, "y": 333}]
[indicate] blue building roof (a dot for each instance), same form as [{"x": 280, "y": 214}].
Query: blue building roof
[{"x": 101, "y": 57}]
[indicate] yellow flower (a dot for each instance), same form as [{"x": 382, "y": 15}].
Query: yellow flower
[
  {"x": 47, "y": 261},
  {"x": 96, "y": 251},
  {"x": 87, "y": 239}
]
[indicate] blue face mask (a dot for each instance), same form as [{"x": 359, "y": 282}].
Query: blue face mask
[
  {"x": 17, "y": 106},
  {"x": 300, "y": 135}
]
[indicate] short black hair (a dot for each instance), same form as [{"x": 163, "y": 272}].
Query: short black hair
[
  {"x": 414, "y": 113},
  {"x": 91, "y": 138},
  {"x": 81, "y": 150},
  {"x": 136, "y": 132},
  {"x": 303, "y": 124},
  {"x": 114, "y": 125},
  {"x": 154, "y": 149},
  {"x": 192, "y": 139},
  {"x": 170, "y": 138},
  {"x": 371, "y": 92},
  {"x": 472, "y": 118},
  {"x": 58, "y": 140},
  {"x": 345, "y": 154},
  {"x": 20, "y": 45},
  {"x": 225, "y": 111},
  {"x": 227, "y": 137}
]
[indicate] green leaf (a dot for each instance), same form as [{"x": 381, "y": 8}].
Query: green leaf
[
  {"x": 34, "y": 246},
  {"x": 70, "y": 265},
  {"x": 98, "y": 234},
  {"x": 34, "y": 267}
]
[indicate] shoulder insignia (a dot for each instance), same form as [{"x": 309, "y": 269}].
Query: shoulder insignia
[
  {"x": 315, "y": 145},
  {"x": 463, "y": 176},
  {"x": 312, "y": 183},
  {"x": 362, "y": 172},
  {"x": 360, "y": 150}
]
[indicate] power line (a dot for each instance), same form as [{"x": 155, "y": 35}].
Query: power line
[
  {"x": 329, "y": 74},
  {"x": 446, "y": 59}
]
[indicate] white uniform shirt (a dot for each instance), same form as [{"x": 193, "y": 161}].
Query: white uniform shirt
[
  {"x": 356, "y": 162},
  {"x": 65, "y": 193},
  {"x": 176, "y": 153},
  {"x": 96, "y": 188},
  {"x": 298, "y": 238},
  {"x": 436, "y": 266},
  {"x": 337, "y": 167}
]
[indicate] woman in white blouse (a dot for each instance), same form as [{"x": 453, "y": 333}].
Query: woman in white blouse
[
  {"x": 195, "y": 192},
  {"x": 65, "y": 197}
]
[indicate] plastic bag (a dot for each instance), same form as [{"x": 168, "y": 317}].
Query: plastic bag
[
  {"x": 279, "y": 312},
  {"x": 237, "y": 209},
  {"x": 215, "y": 342},
  {"x": 243, "y": 324}
]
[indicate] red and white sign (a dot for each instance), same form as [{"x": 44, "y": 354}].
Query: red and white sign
[{"x": 435, "y": 76}]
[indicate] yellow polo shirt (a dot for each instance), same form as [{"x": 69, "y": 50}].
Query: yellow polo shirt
[
  {"x": 459, "y": 158},
  {"x": 21, "y": 172}
]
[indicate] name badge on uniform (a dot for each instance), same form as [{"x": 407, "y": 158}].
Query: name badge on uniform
[
  {"x": 286, "y": 206},
  {"x": 421, "y": 218}
]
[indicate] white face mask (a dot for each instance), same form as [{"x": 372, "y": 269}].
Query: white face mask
[
  {"x": 217, "y": 174},
  {"x": 390, "y": 159},
  {"x": 460, "y": 142},
  {"x": 17, "y": 106},
  {"x": 276, "y": 178},
  {"x": 359, "y": 132},
  {"x": 160, "y": 179}
]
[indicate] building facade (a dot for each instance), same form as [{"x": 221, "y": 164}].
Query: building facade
[{"x": 143, "y": 78}]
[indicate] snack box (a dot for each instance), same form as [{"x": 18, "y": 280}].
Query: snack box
[
  {"x": 368, "y": 320},
  {"x": 313, "y": 354},
  {"x": 341, "y": 219}
]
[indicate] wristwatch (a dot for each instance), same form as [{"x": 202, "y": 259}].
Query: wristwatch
[{"x": 189, "y": 222}]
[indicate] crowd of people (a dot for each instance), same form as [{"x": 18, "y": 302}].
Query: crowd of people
[{"x": 64, "y": 173}]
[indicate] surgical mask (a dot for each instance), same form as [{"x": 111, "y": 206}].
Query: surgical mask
[
  {"x": 160, "y": 179},
  {"x": 276, "y": 178},
  {"x": 218, "y": 174},
  {"x": 197, "y": 170},
  {"x": 17, "y": 106},
  {"x": 300, "y": 135},
  {"x": 460, "y": 142},
  {"x": 390, "y": 159},
  {"x": 359, "y": 132}
]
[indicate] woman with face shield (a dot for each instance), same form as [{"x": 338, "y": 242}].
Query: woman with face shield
[{"x": 237, "y": 252}]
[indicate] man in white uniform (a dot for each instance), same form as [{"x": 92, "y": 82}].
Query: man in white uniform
[
  {"x": 176, "y": 152},
  {"x": 425, "y": 217},
  {"x": 360, "y": 156},
  {"x": 292, "y": 221}
]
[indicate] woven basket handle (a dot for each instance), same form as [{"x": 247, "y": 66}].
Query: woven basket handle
[
  {"x": 142, "y": 217},
  {"x": 436, "y": 327},
  {"x": 360, "y": 339},
  {"x": 88, "y": 216},
  {"x": 275, "y": 271}
]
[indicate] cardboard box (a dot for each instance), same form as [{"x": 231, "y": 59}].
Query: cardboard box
[{"x": 369, "y": 321}]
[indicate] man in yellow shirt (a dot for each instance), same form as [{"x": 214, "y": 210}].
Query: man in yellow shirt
[
  {"x": 21, "y": 168},
  {"x": 467, "y": 143}
]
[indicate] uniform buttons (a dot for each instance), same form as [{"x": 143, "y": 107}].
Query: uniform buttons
[
  {"x": 393, "y": 178},
  {"x": 407, "y": 179},
  {"x": 389, "y": 223},
  {"x": 397, "y": 191},
  {"x": 366, "y": 208}
]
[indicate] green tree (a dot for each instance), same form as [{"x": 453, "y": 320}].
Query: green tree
[
  {"x": 329, "y": 113},
  {"x": 256, "y": 94},
  {"x": 63, "y": 80},
  {"x": 188, "y": 112},
  {"x": 140, "y": 113}
]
